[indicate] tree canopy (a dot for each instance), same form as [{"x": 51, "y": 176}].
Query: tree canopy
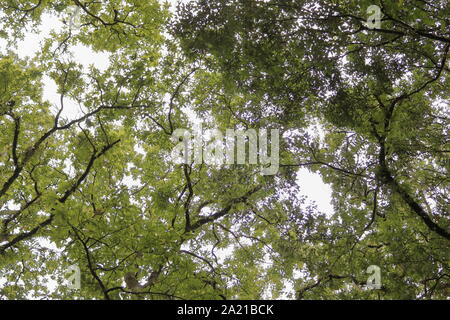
[{"x": 96, "y": 188}]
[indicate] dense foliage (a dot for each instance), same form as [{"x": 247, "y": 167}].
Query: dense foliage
[{"x": 366, "y": 108}]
